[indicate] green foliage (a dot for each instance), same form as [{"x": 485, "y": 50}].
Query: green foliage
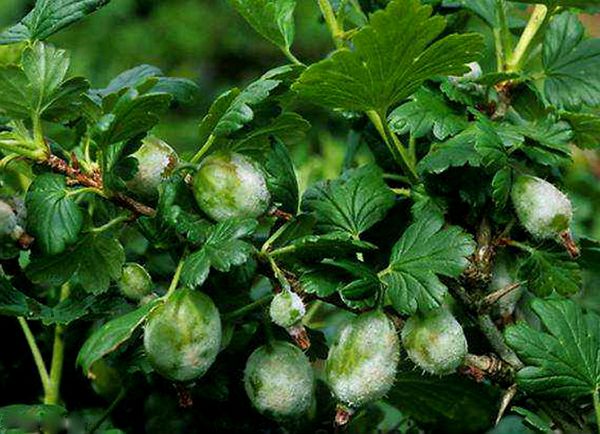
[
  {"x": 112, "y": 335},
  {"x": 351, "y": 204},
  {"x": 48, "y": 17},
  {"x": 39, "y": 87},
  {"x": 55, "y": 218},
  {"x": 424, "y": 252},
  {"x": 274, "y": 20},
  {"x": 570, "y": 64},
  {"x": 392, "y": 57},
  {"x": 564, "y": 360},
  {"x": 549, "y": 272},
  {"x": 374, "y": 220},
  {"x": 222, "y": 249}
]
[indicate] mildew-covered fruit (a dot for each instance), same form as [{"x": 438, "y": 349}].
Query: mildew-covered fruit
[
  {"x": 279, "y": 381},
  {"x": 9, "y": 223},
  {"x": 183, "y": 336},
  {"x": 156, "y": 161},
  {"x": 435, "y": 341},
  {"x": 135, "y": 283},
  {"x": 504, "y": 275},
  {"x": 362, "y": 362},
  {"x": 542, "y": 209},
  {"x": 287, "y": 309},
  {"x": 231, "y": 185}
]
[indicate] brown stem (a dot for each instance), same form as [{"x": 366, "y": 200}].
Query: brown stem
[
  {"x": 492, "y": 298},
  {"x": 94, "y": 180},
  {"x": 487, "y": 366},
  {"x": 569, "y": 244}
]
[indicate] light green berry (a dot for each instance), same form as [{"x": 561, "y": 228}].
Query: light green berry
[
  {"x": 183, "y": 336},
  {"x": 542, "y": 209},
  {"x": 135, "y": 283},
  {"x": 287, "y": 309},
  {"x": 279, "y": 381},
  {"x": 156, "y": 161},
  {"x": 504, "y": 274},
  {"x": 9, "y": 222},
  {"x": 231, "y": 185},
  {"x": 435, "y": 341},
  {"x": 362, "y": 362}
]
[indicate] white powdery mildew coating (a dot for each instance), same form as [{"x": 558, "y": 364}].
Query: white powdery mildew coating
[
  {"x": 8, "y": 219},
  {"x": 279, "y": 380},
  {"x": 501, "y": 278},
  {"x": 182, "y": 338},
  {"x": 287, "y": 309},
  {"x": 361, "y": 365},
  {"x": 436, "y": 343},
  {"x": 254, "y": 195},
  {"x": 538, "y": 204},
  {"x": 154, "y": 157}
]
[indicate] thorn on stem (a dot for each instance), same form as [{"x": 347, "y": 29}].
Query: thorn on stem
[{"x": 508, "y": 396}]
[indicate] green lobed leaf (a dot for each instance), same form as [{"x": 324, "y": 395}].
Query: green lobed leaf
[
  {"x": 48, "y": 17},
  {"x": 112, "y": 334},
  {"x": 131, "y": 114},
  {"x": 281, "y": 178},
  {"x": 332, "y": 245},
  {"x": 15, "y": 303},
  {"x": 501, "y": 186},
  {"x": 426, "y": 112},
  {"x": 489, "y": 145},
  {"x": 550, "y": 272},
  {"x": 54, "y": 218},
  {"x": 222, "y": 249},
  {"x": 288, "y": 127},
  {"x": 94, "y": 261},
  {"x": 458, "y": 151},
  {"x": 182, "y": 90},
  {"x": 564, "y": 360},
  {"x": 40, "y": 87},
  {"x": 448, "y": 401},
  {"x": 350, "y": 204},
  {"x": 424, "y": 252},
  {"x": 548, "y": 142},
  {"x": 586, "y": 129},
  {"x": 390, "y": 59},
  {"x": 273, "y": 19},
  {"x": 571, "y": 73}
]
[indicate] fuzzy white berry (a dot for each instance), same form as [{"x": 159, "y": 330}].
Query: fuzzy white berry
[
  {"x": 362, "y": 362},
  {"x": 287, "y": 309},
  {"x": 9, "y": 223},
  {"x": 156, "y": 161},
  {"x": 279, "y": 381},
  {"x": 435, "y": 341},
  {"x": 231, "y": 185},
  {"x": 504, "y": 274},
  {"x": 183, "y": 336},
  {"x": 542, "y": 209}
]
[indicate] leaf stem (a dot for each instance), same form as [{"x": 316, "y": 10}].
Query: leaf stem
[
  {"x": 52, "y": 395},
  {"x": 114, "y": 222},
  {"x": 596, "y": 396},
  {"x": 108, "y": 411},
  {"x": 84, "y": 190},
  {"x": 496, "y": 340},
  {"x": 204, "y": 149},
  {"x": 502, "y": 39},
  {"x": 291, "y": 57},
  {"x": 35, "y": 352},
  {"x": 396, "y": 148},
  {"x": 332, "y": 23},
  {"x": 176, "y": 276},
  {"x": 247, "y": 308},
  {"x": 537, "y": 18}
]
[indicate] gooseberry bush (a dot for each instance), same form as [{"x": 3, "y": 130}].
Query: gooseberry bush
[{"x": 435, "y": 285}]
